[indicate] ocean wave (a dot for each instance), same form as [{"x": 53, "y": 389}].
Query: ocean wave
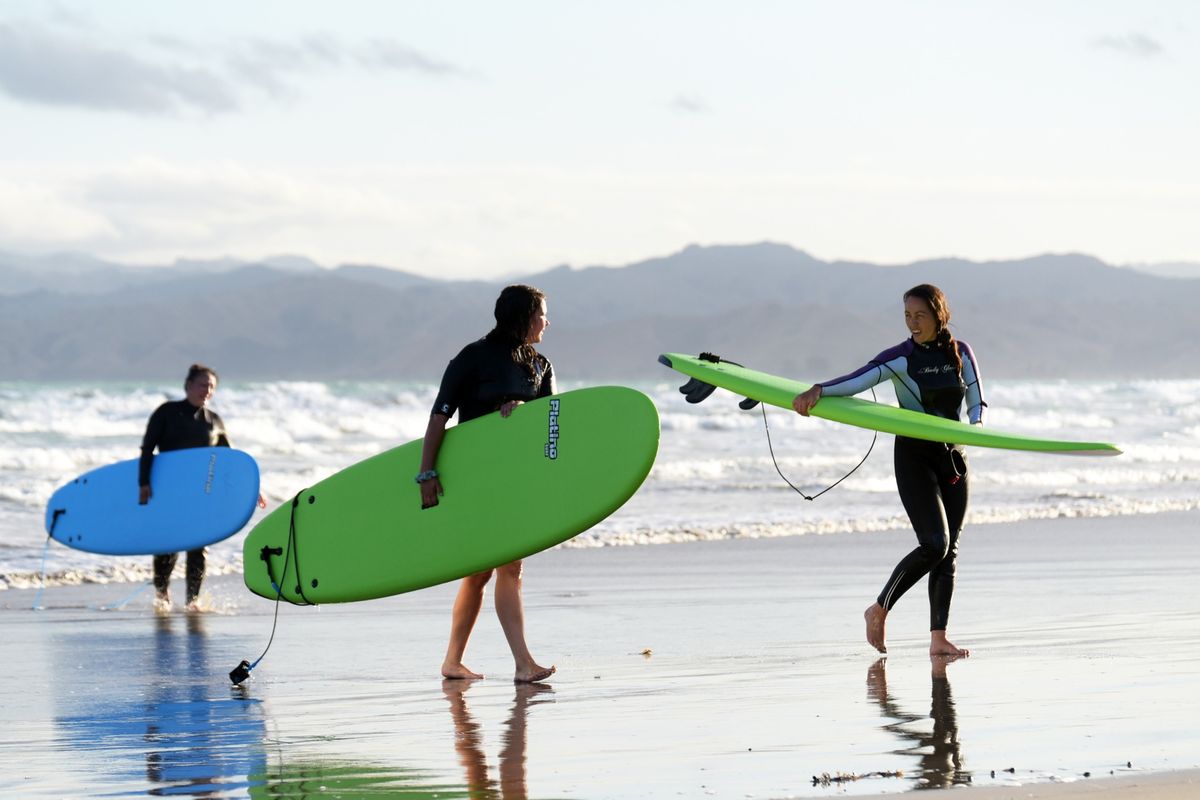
[
  {"x": 714, "y": 477},
  {"x": 1054, "y": 506}
]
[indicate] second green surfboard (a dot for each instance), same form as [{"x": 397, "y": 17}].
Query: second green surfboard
[{"x": 777, "y": 391}]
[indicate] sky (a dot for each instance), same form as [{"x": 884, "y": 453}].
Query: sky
[{"x": 483, "y": 139}]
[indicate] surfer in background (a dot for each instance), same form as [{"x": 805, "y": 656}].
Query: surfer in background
[
  {"x": 178, "y": 425},
  {"x": 496, "y": 373},
  {"x": 933, "y": 374}
]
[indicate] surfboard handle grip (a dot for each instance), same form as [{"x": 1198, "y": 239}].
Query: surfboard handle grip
[{"x": 58, "y": 512}]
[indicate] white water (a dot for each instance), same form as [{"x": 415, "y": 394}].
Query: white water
[{"x": 713, "y": 477}]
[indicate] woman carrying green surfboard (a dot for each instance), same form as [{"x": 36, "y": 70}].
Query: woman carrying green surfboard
[
  {"x": 934, "y": 374},
  {"x": 496, "y": 373}
]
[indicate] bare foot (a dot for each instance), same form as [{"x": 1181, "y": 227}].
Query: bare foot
[
  {"x": 162, "y": 604},
  {"x": 459, "y": 671},
  {"x": 533, "y": 674},
  {"x": 876, "y": 616},
  {"x": 939, "y": 645}
]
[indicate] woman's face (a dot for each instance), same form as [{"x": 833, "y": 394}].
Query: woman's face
[
  {"x": 538, "y": 326},
  {"x": 919, "y": 318},
  {"x": 200, "y": 389}
]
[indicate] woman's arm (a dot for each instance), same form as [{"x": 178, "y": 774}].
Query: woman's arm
[
  {"x": 154, "y": 428},
  {"x": 974, "y": 384},
  {"x": 435, "y": 432}
]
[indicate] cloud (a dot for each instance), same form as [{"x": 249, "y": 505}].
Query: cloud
[
  {"x": 169, "y": 75},
  {"x": 273, "y": 66},
  {"x": 1135, "y": 45},
  {"x": 387, "y": 54},
  {"x": 43, "y": 67},
  {"x": 689, "y": 104}
]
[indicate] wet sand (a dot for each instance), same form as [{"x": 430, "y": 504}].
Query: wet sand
[{"x": 721, "y": 669}]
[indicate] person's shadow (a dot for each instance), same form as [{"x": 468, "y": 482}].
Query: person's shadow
[
  {"x": 468, "y": 740},
  {"x": 939, "y": 753}
]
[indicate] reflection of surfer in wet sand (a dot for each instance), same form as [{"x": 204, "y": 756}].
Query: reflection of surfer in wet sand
[
  {"x": 163, "y": 724},
  {"x": 939, "y": 751},
  {"x": 468, "y": 740}
]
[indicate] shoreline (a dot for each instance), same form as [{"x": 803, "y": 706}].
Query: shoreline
[
  {"x": 715, "y": 669},
  {"x": 136, "y": 569}
]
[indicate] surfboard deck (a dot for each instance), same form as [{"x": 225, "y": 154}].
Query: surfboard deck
[
  {"x": 200, "y": 496},
  {"x": 513, "y": 486},
  {"x": 778, "y": 391}
]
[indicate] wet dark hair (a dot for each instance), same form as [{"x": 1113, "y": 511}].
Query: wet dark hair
[
  {"x": 515, "y": 309},
  {"x": 196, "y": 370},
  {"x": 936, "y": 299}
]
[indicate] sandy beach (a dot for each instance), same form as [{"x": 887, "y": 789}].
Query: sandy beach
[{"x": 727, "y": 669}]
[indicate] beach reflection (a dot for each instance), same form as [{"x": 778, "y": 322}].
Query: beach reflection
[
  {"x": 468, "y": 740},
  {"x": 186, "y": 732},
  {"x": 307, "y": 776},
  {"x": 938, "y": 752}
]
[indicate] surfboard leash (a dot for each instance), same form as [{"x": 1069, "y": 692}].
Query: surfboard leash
[
  {"x": 242, "y": 671},
  {"x": 37, "y": 600},
  {"x": 696, "y": 391},
  {"x": 767, "y": 428}
]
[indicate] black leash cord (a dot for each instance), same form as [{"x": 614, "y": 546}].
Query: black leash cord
[
  {"x": 715, "y": 359},
  {"x": 243, "y": 670},
  {"x": 798, "y": 491}
]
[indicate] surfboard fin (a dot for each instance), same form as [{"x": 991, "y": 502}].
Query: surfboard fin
[
  {"x": 696, "y": 390},
  {"x": 747, "y": 404}
]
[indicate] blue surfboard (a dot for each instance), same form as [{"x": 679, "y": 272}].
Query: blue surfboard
[{"x": 200, "y": 496}]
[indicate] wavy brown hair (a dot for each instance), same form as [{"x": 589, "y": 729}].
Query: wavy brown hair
[
  {"x": 515, "y": 309},
  {"x": 936, "y": 299}
]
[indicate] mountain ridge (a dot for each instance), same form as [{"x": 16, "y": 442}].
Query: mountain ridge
[{"x": 769, "y": 305}]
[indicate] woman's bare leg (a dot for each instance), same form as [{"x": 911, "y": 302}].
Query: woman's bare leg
[
  {"x": 466, "y": 611},
  {"x": 511, "y": 610}
]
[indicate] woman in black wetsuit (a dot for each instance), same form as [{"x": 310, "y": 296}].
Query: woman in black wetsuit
[
  {"x": 496, "y": 373},
  {"x": 934, "y": 374},
  {"x": 177, "y": 425}
]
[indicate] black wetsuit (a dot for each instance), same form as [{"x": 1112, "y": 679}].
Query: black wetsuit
[
  {"x": 930, "y": 476},
  {"x": 178, "y": 425},
  {"x": 483, "y": 377}
]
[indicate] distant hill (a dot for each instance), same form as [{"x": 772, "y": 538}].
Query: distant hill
[
  {"x": 1170, "y": 269},
  {"x": 767, "y": 305}
]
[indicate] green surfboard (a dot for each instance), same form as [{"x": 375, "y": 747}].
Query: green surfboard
[
  {"x": 513, "y": 486},
  {"x": 778, "y": 391}
]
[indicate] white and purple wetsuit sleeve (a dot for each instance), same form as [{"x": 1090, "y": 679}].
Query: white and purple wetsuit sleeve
[
  {"x": 891, "y": 364},
  {"x": 974, "y": 383}
]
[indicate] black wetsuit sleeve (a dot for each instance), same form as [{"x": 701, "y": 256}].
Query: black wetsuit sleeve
[
  {"x": 456, "y": 382},
  {"x": 222, "y": 436},
  {"x": 153, "y": 435},
  {"x": 549, "y": 384}
]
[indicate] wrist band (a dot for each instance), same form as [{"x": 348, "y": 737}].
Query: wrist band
[{"x": 427, "y": 475}]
